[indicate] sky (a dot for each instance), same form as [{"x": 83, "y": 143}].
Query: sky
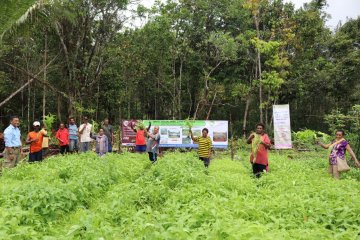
[{"x": 339, "y": 10}]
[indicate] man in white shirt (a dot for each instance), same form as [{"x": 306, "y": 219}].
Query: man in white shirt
[{"x": 85, "y": 135}]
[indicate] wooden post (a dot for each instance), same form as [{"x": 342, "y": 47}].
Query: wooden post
[{"x": 119, "y": 138}]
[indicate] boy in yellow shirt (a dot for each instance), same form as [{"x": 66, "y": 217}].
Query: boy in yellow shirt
[{"x": 205, "y": 145}]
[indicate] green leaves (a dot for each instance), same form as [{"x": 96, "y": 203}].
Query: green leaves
[
  {"x": 255, "y": 145},
  {"x": 225, "y": 45},
  {"x": 126, "y": 197},
  {"x": 11, "y": 11}
]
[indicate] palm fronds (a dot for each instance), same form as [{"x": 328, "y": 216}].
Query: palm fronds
[{"x": 14, "y": 13}]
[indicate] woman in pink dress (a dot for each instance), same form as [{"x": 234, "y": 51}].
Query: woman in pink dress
[{"x": 261, "y": 144}]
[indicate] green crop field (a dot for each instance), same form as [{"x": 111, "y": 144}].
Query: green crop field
[{"x": 125, "y": 197}]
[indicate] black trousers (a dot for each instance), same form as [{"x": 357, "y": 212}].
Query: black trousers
[
  {"x": 64, "y": 149},
  {"x": 258, "y": 169},
  {"x": 205, "y": 160},
  {"x": 36, "y": 156},
  {"x": 152, "y": 156}
]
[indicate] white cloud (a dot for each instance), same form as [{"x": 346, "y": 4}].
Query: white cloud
[{"x": 339, "y": 10}]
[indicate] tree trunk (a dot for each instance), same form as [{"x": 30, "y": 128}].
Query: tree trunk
[
  {"x": 59, "y": 108},
  {"x": 156, "y": 103},
  {"x": 232, "y": 150},
  {"x": 128, "y": 102},
  {"x": 45, "y": 69},
  {"x": 22, "y": 99},
  {"x": 120, "y": 129},
  {"x": 266, "y": 116},
  {"x": 29, "y": 97},
  {"x": 259, "y": 69},
  {"x": 97, "y": 101},
  {"x": 211, "y": 106},
  {"x": 179, "y": 90},
  {"x": 246, "y": 113},
  {"x": 174, "y": 108},
  {"x": 33, "y": 106},
  {"x": 16, "y": 92}
]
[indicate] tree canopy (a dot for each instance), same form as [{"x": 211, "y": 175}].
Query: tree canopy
[{"x": 226, "y": 59}]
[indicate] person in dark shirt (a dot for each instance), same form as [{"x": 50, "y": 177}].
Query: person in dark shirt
[
  {"x": 2, "y": 144},
  {"x": 109, "y": 133}
]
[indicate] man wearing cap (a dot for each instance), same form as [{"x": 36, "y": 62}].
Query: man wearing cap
[
  {"x": 35, "y": 139},
  {"x": 85, "y": 135},
  {"x": 12, "y": 139}
]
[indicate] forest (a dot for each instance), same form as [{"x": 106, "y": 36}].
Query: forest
[
  {"x": 220, "y": 60},
  {"x": 190, "y": 60}
]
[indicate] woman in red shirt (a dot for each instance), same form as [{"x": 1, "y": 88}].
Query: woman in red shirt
[
  {"x": 260, "y": 144},
  {"x": 63, "y": 136},
  {"x": 140, "y": 141}
]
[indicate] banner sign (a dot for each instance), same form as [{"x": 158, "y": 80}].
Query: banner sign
[
  {"x": 175, "y": 133},
  {"x": 282, "y": 128}
]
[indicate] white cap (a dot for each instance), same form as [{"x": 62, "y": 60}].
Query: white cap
[{"x": 36, "y": 123}]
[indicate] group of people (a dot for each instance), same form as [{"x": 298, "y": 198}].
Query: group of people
[
  {"x": 72, "y": 138},
  {"x": 146, "y": 141},
  {"x": 338, "y": 147}
]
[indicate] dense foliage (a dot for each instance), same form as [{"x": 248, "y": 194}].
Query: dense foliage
[
  {"x": 125, "y": 197},
  {"x": 228, "y": 59}
]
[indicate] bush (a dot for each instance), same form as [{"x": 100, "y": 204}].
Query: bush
[{"x": 307, "y": 139}]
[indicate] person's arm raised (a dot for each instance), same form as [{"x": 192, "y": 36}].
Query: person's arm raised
[
  {"x": 28, "y": 140},
  {"x": 82, "y": 129},
  {"x": 192, "y": 136},
  {"x": 150, "y": 135},
  {"x": 250, "y": 138},
  {"x": 353, "y": 156},
  {"x": 132, "y": 127},
  {"x": 146, "y": 133},
  {"x": 326, "y": 146}
]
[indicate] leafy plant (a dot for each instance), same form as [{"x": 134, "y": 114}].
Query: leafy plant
[
  {"x": 189, "y": 123},
  {"x": 336, "y": 121},
  {"x": 140, "y": 125},
  {"x": 307, "y": 139},
  {"x": 255, "y": 145},
  {"x": 127, "y": 197},
  {"x": 95, "y": 126},
  {"x": 49, "y": 121}
]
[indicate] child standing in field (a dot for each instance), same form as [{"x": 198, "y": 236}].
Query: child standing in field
[
  {"x": 259, "y": 150},
  {"x": 205, "y": 145},
  {"x": 102, "y": 143}
]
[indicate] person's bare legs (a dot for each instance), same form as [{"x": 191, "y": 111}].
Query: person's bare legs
[
  {"x": 331, "y": 170},
  {"x": 336, "y": 173}
]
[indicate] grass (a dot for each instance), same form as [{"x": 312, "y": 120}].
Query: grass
[{"x": 125, "y": 197}]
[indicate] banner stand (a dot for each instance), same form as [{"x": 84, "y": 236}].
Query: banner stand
[{"x": 282, "y": 128}]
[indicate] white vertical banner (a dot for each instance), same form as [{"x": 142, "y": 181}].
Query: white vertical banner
[{"x": 282, "y": 128}]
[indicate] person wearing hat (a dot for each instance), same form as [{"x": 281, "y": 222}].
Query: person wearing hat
[{"x": 35, "y": 140}]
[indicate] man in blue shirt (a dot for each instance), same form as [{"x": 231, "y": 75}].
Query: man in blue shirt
[
  {"x": 73, "y": 135},
  {"x": 12, "y": 137}
]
